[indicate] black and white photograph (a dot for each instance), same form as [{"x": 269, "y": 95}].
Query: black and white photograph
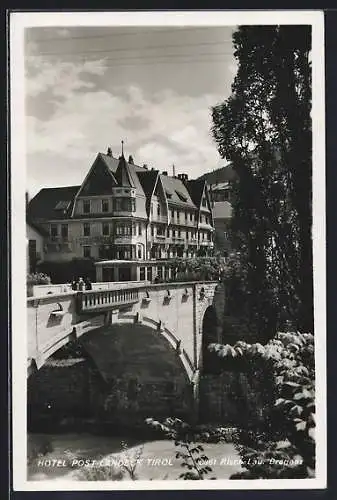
[{"x": 168, "y": 250}]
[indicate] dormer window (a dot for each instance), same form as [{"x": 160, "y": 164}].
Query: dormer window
[
  {"x": 86, "y": 206},
  {"x": 181, "y": 196},
  {"x": 62, "y": 205},
  {"x": 204, "y": 202}
]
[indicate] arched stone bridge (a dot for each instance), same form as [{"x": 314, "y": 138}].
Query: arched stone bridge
[{"x": 175, "y": 311}]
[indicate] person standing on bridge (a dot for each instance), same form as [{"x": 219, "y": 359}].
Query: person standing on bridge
[
  {"x": 88, "y": 285},
  {"x": 80, "y": 285}
]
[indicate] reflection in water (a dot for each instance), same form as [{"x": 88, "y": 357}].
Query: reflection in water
[{"x": 90, "y": 457}]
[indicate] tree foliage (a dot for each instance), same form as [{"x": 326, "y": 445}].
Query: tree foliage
[
  {"x": 282, "y": 442},
  {"x": 264, "y": 129}
]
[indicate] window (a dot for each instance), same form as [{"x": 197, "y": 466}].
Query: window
[
  {"x": 139, "y": 253},
  {"x": 178, "y": 215},
  {"x": 201, "y": 219},
  {"x": 186, "y": 216},
  {"x": 86, "y": 229},
  {"x": 191, "y": 217},
  {"x": 152, "y": 231},
  {"x": 173, "y": 233},
  {"x": 149, "y": 273},
  {"x": 87, "y": 252},
  {"x": 105, "y": 205},
  {"x": 105, "y": 229},
  {"x": 86, "y": 206},
  {"x": 64, "y": 231},
  {"x": 172, "y": 214},
  {"x": 204, "y": 202},
  {"x": 160, "y": 272},
  {"x": 181, "y": 196},
  {"x": 142, "y": 273},
  {"x": 124, "y": 205},
  {"x": 179, "y": 234},
  {"x": 140, "y": 229},
  {"x": 53, "y": 230},
  {"x": 158, "y": 210},
  {"x": 123, "y": 229},
  {"x": 168, "y": 233}
]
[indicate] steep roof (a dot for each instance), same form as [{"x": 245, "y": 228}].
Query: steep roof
[
  {"x": 112, "y": 163},
  {"x": 148, "y": 179},
  {"x": 196, "y": 189},
  {"x": 176, "y": 191},
  {"x": 126, "y": 175},
  {"x": 99, "y": 180},
  {"x": 52, "y": 203}
]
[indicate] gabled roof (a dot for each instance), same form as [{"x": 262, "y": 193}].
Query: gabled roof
[
  {"x": 99, "y": 180},
  {"x": 42, "y": 206},
  {"x": 196, "y": 189},
  {"x": 176, "y": 191},
  {"x": 112, "y": 163},
  {"x": 148, "y": 180}
]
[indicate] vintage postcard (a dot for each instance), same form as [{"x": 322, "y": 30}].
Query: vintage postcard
[{"x": 168, "y": 250}]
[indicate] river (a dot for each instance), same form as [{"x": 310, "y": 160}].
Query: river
[{"x": 84, "y": 456}]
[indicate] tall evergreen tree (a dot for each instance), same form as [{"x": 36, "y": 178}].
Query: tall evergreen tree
[{"x": 264, "y": 129}]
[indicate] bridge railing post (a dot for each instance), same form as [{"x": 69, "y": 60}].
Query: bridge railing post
[{"x": 79, "y": 302}]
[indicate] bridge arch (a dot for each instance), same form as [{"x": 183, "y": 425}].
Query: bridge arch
[
  {"x": 134, "y": 354},
  {"x": 209, "y": 331}
]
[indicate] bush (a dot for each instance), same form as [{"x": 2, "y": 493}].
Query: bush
[
  {"x": 36, "y": 279},
  {"x": 65, "y": 272},
  {"x": 281, "y": 444}
]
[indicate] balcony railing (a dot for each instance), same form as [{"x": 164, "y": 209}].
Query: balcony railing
[
  {"x": 105, "y": 299},
  {"x": 206, "y": 243}
]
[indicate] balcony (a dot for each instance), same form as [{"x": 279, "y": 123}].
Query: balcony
[
  {"x": 206, "y": 243},
  {"x": 176, "y": 240},
  {"x": 159, "y": 238},
  {"x": 193, "y": 242}
]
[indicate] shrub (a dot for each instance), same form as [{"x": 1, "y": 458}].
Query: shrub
[
  {"x": 36, "y": 279},
  {"x": 282, "y": 443}
]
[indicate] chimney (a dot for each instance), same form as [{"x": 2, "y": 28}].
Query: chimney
[
  {"x": 165, "y": 173},
  {"x": 183, "y": 177},
  {"x": 131, "y": 160},
  {"x": 109, "y": 152}
]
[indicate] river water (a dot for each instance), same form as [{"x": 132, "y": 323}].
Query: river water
[{"x": 78, "y": 457}]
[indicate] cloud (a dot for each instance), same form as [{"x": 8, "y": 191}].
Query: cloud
[
  {"x": 61, "y": 78},
  {"x": 159, "y": 129}
]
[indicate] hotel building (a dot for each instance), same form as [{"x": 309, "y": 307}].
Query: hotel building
[{"x": 124, "y": 212}]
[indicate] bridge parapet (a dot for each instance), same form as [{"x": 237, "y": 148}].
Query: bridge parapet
[
  {"x": 174, "y": 310},
  {"x": 102, "y": 300}
]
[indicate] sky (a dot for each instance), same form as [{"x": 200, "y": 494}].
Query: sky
[{"x": 89, "y": 88}]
